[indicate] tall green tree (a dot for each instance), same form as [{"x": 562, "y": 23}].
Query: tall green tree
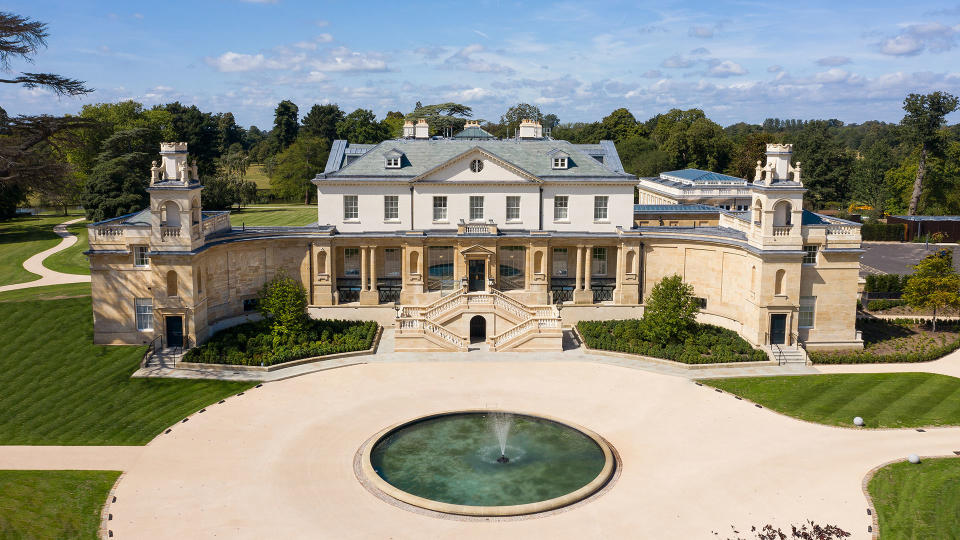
[
  {"x": 934, "y": 284},
  {"x": 442, "y": 117},
  {"x": 286, "y": 123},
  {"x": 926, "y": 115},
  {"x": 826, "y": 164},
  {"x": 671, "y": 311},
  {"x": 297, "y": 165},
  {"x": 618, "y": 125},
  {"x": 361, "y": 127},
  {"x": 228, "y": 132},
  {"x": 118, "y": 181},
  {"x": 322, "y": 121},
  {"x": 751, "y": 148},
  {"x": 510, "y": 121},
  {"x": 869, "y": 178},
  {"x": 692, "y": 140},
  {"x": 200, "y": 131}
]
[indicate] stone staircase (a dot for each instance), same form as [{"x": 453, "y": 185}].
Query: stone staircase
[
  {"x": 424, "y": 328},
  {"x": 787, "y": 354}
]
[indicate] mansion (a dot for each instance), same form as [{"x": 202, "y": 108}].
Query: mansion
[{"x": 471, "y": 238}]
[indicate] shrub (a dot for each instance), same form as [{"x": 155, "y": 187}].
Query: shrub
[
  {"x": 922, "y": 352},
  {"x": 283, "y": 302},
  {"x": 877, "y": 231},
  {"x": 704, "y": 344},
  {"x": 671, "y": 311},
  {"x": 886, "y": 283},
  {"x": 880, "y": 305},
  {"x": 254, "y": 344}
]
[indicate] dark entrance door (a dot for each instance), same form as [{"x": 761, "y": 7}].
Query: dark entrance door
[
  {"x": 778, "y": 328},
  {"x": 478, "y": 329},
  {"x": 174, "y": 331},
  {"x": 477, "y": 268}
]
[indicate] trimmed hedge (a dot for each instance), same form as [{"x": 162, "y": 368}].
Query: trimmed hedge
[
  {"x": 886, "y": 283},
  {"x": 707, "y": 344},
  {"x": 876, "y": 231},
  {"x": 251, "y": 344},
  {"x": 880, "y": 305},
  {"x": 867, "y": 357}
]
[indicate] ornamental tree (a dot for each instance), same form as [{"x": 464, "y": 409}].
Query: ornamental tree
[
  {"x": 671, "y": 310},
  {"x": 934, "y": 284},
  {"x": 283, "y": 301}
]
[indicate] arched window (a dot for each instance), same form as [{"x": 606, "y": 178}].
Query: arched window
[
  {"x": 781, "y": 214},
  {"x": 172, "y": 214},
  {"x": 757, "y": 211},
  {"x": 779, "y": 283},
  {"x": 196, "y": 210},
  {"x": 171, "y": 283},
  {"x": 322, "y": 262},
  {"x": 631, "y": 260},
  {"x": 538, "y": 262},
  {"x": 414, "y": 262}
]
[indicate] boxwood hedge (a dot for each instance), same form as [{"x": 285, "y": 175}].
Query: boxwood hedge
[
  {"x": 251, "y": 344},
  {"x": 706, "y": 344}
]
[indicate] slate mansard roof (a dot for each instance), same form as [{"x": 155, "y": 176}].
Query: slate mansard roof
[{"x": 590, "y": 161}]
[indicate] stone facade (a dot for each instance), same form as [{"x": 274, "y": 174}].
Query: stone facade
[{"x": 518, "y": 267}]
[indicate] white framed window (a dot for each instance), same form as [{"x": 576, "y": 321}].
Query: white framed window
[
  {"x": 143, "y": 307},
  {"x": 808, "y": 306},
  {"x": 440, "y": 208},
  {"x": 560, "y": 203},
  {"x": 809, "y": 254},
  {"x": 598, "y": 263},
  {"x": 351, "y": 208},
  {"x": 351, "y": 262},
  {"x": 513, "y": 208},
  {"x": 560, "y": 163},
  {"x": 559, "y": 262},
  {"x": 391, "y": 207},
  {"x": 476, "y": 208},
  {"x": 140, "y": 258},
  {"x": 600, "y": 207},
  {"x": 391, "y": 262},
  {"x": 393, "y": 162}
]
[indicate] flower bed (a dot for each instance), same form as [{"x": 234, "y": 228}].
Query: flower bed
[
  {"x": 251, "y": 344},
  {"x": 889, "y": 341},
  {"x": 707, "y": 344}
]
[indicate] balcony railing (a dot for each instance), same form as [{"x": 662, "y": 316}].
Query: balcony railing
[
  {"x": 169, "y": 232},
  {"x": 389, "y": 289},
  {"x": 603, "y": 289},
  {"x": 561, "y": 288},
  {"x": 348, "y": 290},
  {"x": 782, "y": 230}
]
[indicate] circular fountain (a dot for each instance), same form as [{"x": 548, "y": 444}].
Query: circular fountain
[{"x": 487, "y": 463}]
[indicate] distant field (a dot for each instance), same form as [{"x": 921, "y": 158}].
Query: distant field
[
  {"x": 255, "y": 173},
  {"x": 274, "y": 216}
]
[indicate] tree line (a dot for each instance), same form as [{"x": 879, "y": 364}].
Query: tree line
[{"x": 101, "y": 157}]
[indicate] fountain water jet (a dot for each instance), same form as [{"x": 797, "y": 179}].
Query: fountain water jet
[{"x": 501, "y": 422}]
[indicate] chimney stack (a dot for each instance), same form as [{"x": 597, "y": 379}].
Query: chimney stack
[
  {"x": 408, "y": 130},
  {"x": 422, "y": 129},
  {"x": 530, "y": 129}
]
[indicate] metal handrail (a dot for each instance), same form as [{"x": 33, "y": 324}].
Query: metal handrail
[
  {"x": 151, "y": 350},
  {"x": 779, "y": 354}
]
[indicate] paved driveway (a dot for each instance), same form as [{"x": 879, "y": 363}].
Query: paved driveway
[
  {"x": 277, "y": 462},
  {"x": 896, "y": 257}
]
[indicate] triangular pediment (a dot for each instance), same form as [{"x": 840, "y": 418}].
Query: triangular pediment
[
  {"x": 477, "y": 249},
  {"x": 461, "y": 168}
]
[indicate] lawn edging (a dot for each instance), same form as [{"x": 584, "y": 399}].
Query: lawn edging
[
  {"x": 293, "y": 363},
  {"x": 666, "y": 362}
]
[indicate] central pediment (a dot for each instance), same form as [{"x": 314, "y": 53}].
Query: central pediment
[
  {"x": 477, "y": 249},
  {"x": 476, "y": 165}
]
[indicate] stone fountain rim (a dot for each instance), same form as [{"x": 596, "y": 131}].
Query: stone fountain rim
[{"x": 592, "y": 487}]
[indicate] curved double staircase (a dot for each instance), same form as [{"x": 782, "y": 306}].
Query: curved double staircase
[{"x": 430, "y": 327}]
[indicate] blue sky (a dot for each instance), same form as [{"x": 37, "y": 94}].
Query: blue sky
[{"x": 739, "y": 61}]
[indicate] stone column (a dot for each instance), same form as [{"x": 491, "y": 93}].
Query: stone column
[
  {"x": 363, "y": 269},
  {"x": 588, "y": 268},
  {"x": 368, "y": 297},
  {"x": 373, "y": 268},
  {"x": 578, "y": 284},
  {"x": 582, "y": 294}
]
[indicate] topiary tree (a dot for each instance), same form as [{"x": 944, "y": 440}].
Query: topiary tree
[
  {"x": 283, "y": 301},
  {"x": 671, "y": 311},
  {"x": 934, "y": 284}
]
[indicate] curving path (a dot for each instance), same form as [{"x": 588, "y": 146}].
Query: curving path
[
  {"x": 277, "y": 461},
  {"x": 50, "y": 277}
]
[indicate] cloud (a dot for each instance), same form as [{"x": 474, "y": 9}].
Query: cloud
[
  {"x": 831, "y": 76},
  {"x": 774, "y": 69},
  {"x": 916, "y": 38},
  {"x": 344, "y": 60},
  {"x": 481, "y": 34},
  {"x": 138, "y": 15},
  {"x": 430, "y": 53},
  {"x": 466, "y": 59},
  {"x": 471, "y": 94},
  {"x": 700, "y": 51},
  {"x": 231, "y": 62},
  {"x": 676, "y": 61},
  {"x": 652, "y": 74},
  {"x": 321, "y": 23},
  {"x": 314, "y": 44},
  {"x": 701, "y": 31},
  {"x": 834, "y": 61},
  {"x": 725, "y": 68}
]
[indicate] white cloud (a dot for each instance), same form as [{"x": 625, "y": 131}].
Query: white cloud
[
  {"x": 774, "y": 69},
  {"x": 344, "y": 60},
  {"x": 481, "y": 34},
  {"x": 915, "y": 38},
  {"x": 652, "y": 74},
  {"x": 701, "y": 31},
  {"x": 834, "y": 75},
  {"x": 676, "y": 61},
  {"x": 833, "y": 61},
  {"x": 726, "y": 68},
  {"x": 230, "y": 62},
  {"x": 700, "y": 51},
  {"x": 902, "y": 45},
  {"x": 468, "y": 59}
]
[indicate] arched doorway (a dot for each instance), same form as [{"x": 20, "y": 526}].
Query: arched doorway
[{"x": 478, "y": 329}]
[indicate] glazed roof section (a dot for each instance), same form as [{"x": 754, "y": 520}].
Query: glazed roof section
[
  {"x": 700, "y": 177},
  {"x": 423, "y": 155},
  {"x": 474, "y": 132},
  {"x": 674, "y": 209}
]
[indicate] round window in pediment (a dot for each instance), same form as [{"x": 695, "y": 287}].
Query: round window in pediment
[{"x": 476, "y": 165}]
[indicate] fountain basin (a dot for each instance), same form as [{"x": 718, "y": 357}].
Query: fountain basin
[{"x": 449, "y": 463}]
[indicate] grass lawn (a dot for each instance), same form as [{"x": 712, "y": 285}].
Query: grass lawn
[
  {"x": 292, "y": 215},
  {"x": 22, "y": 237},
  {"x": 72, "y": 260},
  {"x": 60, "y": 389},
  {"x": 255, "y": 173},
  {"x": 882, "y": 399},
  {"x": 50, "y": 292},
  {"x": 53, "y": 504},
  {"x": 918, "y": 501}
]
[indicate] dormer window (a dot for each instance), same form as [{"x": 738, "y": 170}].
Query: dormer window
[
  {"x": 560, "y": 160},
  {"x": 393, "y": 159},
  {"x": 393, "y": 163}
]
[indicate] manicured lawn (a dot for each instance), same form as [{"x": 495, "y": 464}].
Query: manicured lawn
[
  {"x": 255, "y": 173},
  {"x": 881, "y": 399},
  {"x": 59, "y": 388},
  {"x": 918, "y": 501},
  {"x": 22, "y": 237},
  {"x": 53, "y": 504},
  {"x": 294, "y": 215},
  {"x": 72, "y": 260},
  {"x": 50, "y": 292}
]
